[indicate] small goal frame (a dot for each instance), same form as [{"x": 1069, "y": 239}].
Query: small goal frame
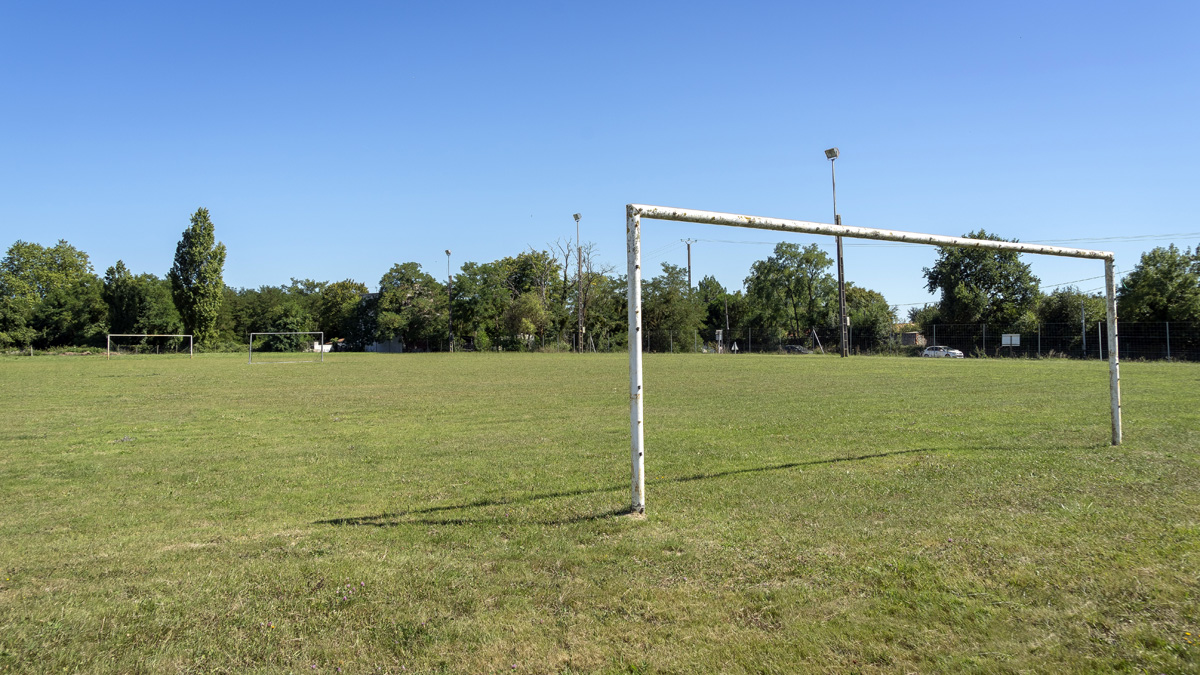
[
  {"x": 633, "y": 233},
  {"x": 108, "y": 341},
  {"x": 301, "y": 332}
]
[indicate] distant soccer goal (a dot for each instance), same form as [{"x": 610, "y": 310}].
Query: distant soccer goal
[
  {"x": 634, "y": 213},
  {"x": 147, "y": 344},
  {"x": 301, "y": 347}
]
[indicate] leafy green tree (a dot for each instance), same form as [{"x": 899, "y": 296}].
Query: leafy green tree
[
  {"x": 29, "y": 272},
  {"x": 120, "y": 293},
  {"x": 196, "y": 284},
  {"x": 608, "y": 313},
  {"x": 926, "y": 317},
  {"x": 872, "y": 320},
  {"x": 1059, "y": 315},
  {"x": 481, "y": 297},
  {"x": 362, "y": 328},
  {"x": 982, "y": 285},
  {"x": 335, "y": 307},
  {"x": 259, "y": 307},
  {"x": 228, "y": 326},
  {"x": 531, "y": 271},
  {"x": 1164, "y": 286},
  {"x": 287, "y": 317},
  {"x": 14, "y": 328},
  {"x": 1068, "y": 306},
  {"x": 669, "y": 307},
  {"x": 75, "y": 315},
  {"x": 408, "y": 308},
  {"x": 793, "y": 288},
  {"x": 156, "y": 312},
  {"x": 525, "y": 319},
  {"x": 307, "y": 293},
  {"x": 490, "y": 299},
  {"x": 49, "y": 296},
  {"x": 139, "y": 304},
  {"x": 721, "y": 308}
]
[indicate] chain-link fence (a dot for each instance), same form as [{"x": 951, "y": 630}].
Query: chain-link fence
[
  {"x": 748, "y": 341},
  {"x": 1179, "y": 341},
  {"x": 1137, "y": 340}
]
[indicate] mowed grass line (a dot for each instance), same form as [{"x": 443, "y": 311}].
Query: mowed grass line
[{"x": 467, "y": 513}]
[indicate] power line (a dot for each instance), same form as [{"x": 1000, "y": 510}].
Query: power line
[
  {"x": 663, "y": 250},
  {"x": 1116, "y": 273},
  {"x": 1138, "y": 237}
]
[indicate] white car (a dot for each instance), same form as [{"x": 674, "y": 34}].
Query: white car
[{"x": 939, "y": 351}]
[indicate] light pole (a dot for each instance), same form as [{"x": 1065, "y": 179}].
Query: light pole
[
  {"x": 579, "y": 297},
  {"x": 843, "y": 321},
  {"x": 449, "y": 304}
]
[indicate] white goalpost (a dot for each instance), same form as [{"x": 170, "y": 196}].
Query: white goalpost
[
  {"x": 317, "y": 346},
  {"x": 109, "y": 341},
  {"x": 633, "y": 231}
]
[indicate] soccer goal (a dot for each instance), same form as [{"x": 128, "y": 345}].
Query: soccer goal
[
  {"x": 136, "y": 344},
  {"x": 633, "y": 231},
  {"x": 301, "y": 347}
]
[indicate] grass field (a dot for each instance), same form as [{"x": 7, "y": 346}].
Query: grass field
[{"x": 468, "y": 513}]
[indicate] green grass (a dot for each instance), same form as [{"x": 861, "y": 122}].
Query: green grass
[{"x": 805, "y": 514}]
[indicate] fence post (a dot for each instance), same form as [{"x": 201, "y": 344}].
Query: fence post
[
  {"x": 1168, "y": 323},
  {"x": 1099, "y": 342},
  {"x": 1039, "y": 340},
  {"x": 750, "y": 340}
]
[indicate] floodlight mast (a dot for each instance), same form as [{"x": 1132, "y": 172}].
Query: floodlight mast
[
  {"x": 633, "y": 236},
  {"x": 579, "y": 297},
  {"x": 843, "y": 321},
  {"x": 449, "y": 305}
]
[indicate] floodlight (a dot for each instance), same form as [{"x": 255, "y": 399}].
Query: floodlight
[
  {"x": 831, "y": 154},
  {"x": 577, "y": 217}
]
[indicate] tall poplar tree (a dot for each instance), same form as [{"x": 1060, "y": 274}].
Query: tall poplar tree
[{"x": 196, "y": 284}]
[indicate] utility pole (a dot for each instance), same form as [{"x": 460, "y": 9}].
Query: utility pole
[
  {"x": 579, "y": 297},
  {"x": 449, "y": 304},
  {"x": 689, "y": 243},
  {"x": 843, "y": 321}
]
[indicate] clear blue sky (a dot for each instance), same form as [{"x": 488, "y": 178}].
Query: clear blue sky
[{"x": 332, "y": 140}]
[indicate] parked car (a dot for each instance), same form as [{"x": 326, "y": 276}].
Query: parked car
[
  {"x": 796, "y": 349},
  {"x": 939, "y": 351}
]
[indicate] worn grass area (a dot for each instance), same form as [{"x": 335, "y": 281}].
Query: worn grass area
[{"x": 467, "y": 513}]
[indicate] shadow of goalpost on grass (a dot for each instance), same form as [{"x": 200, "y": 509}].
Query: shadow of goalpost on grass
[{"x": 420, "y": 516}]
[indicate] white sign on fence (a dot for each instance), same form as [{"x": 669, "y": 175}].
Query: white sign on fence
[{"x": 1010, "y": 340}]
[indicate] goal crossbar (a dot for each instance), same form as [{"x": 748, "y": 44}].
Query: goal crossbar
[
  {"x": 108, "y": 340},
  {"x": 633, "y": 232},
  {"x": 320, "y": 350}
]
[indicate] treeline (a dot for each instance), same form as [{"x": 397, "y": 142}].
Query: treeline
[
  {"x": 544, "y": 299},
  {"x": 996, "y": 290}
]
